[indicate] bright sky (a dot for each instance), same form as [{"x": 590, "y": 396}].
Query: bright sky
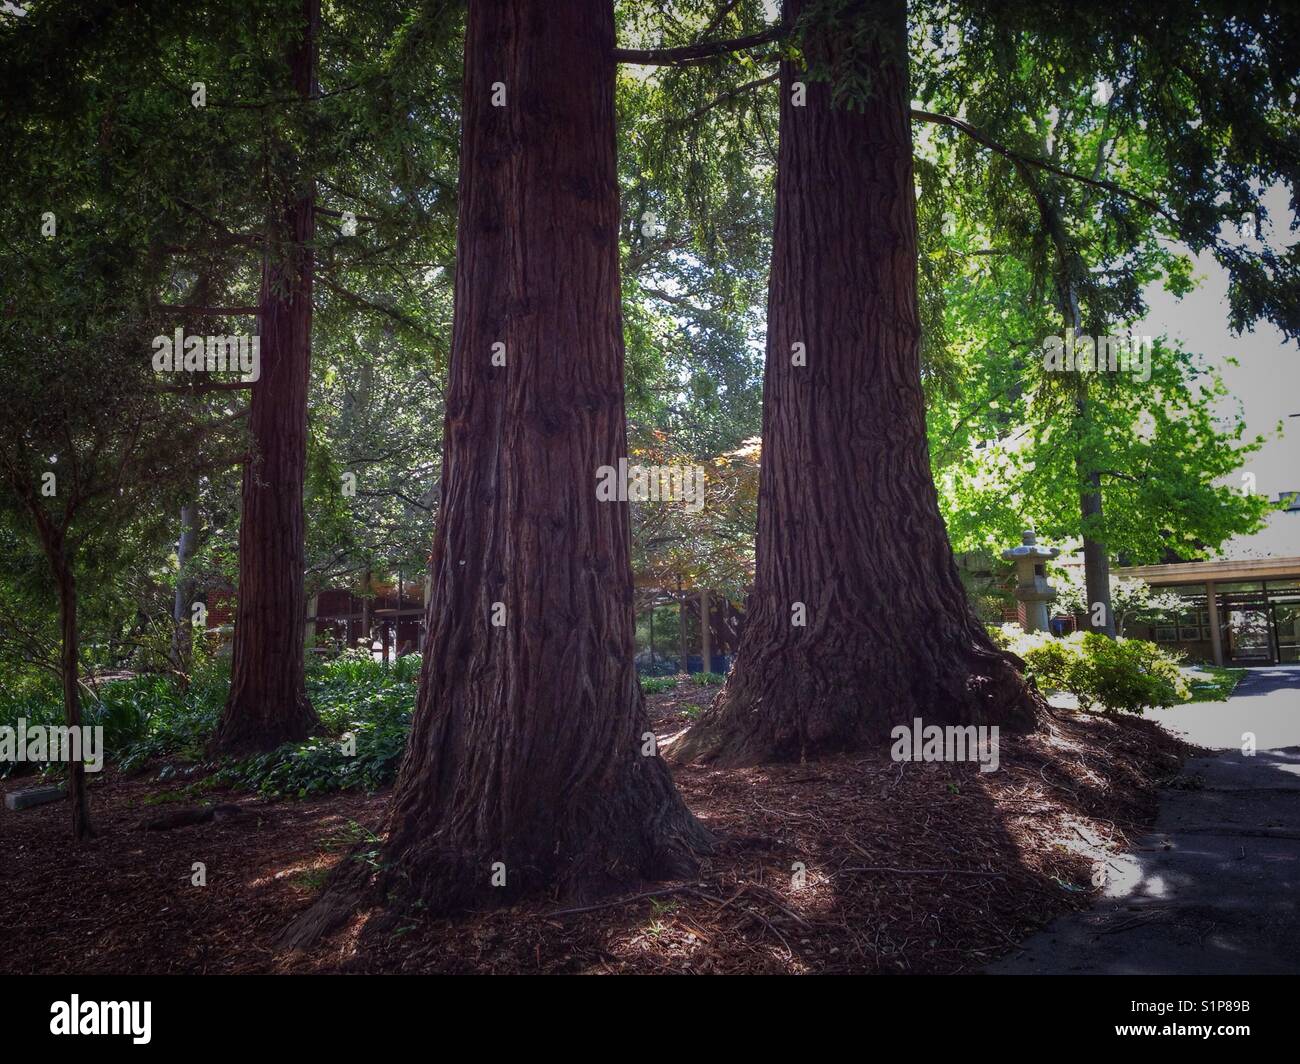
[{"x": 1267, "y": 380}]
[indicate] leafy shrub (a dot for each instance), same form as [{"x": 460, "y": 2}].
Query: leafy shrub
[
  {"x": 320, "y": 765},
  {"x": 356, "y": 666},
  {"x": 707, "y": 679},
  {"x": 177, "y": 723},
  {"x": 143, "y": 716},
  {"x": 179, "y": 729},
  {"x": 33, "y": 697},
  {"x": 653, "y": 685},
  {"x": 1117, "y": 675},
  {"x": 359, "y": 701},
  {"x": 36, "y": 697},
  {"x": 147, "y": 718},
  {"x": 1127, "y": 675}
]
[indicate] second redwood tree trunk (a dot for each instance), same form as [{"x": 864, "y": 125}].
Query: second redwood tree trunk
[
  {"x": 858, "y": 620},
  {"x": 267, "y": 704}
]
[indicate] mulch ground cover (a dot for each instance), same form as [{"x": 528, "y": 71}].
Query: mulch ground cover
[{"x": 850, "y": 864}]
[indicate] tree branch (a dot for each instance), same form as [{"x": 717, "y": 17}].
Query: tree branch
[
  {"x": 694, "y": 53},
  {"x": 206, "y": 386},
  {"x": 215, "y": 312},
  {"x": 361, "y": 301},
  {"x": 731, "y": 94},
  {"x": 1022, "y": 159}
]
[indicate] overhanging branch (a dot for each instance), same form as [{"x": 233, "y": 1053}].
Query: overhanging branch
[
  {"x": 1023, "y": 159},
  {"x": 695, "y": 53},
  {"x": 215, "y": 312},
  {"x": 730, "y": 94},
  {"x": 206, "y": 386}
]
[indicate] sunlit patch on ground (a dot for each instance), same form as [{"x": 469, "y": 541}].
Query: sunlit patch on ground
[{"x": 848, "y": 864}]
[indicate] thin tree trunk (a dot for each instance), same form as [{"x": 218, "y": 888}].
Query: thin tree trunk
[
  {"x": 183, "y": 604},
  {"x": 309, "y": 637},
  {"x": 681, "y": 627},
  {"x": 1096, "y": 559},
  {"x": 267, "y": 704},
  {"x": 365, "y": 613},
  {"x": 858, "y": 620},
  {"x": 706, "y": 645},
  {"x": 527, "y": 767},
  {"x": 68, "y": 664}
]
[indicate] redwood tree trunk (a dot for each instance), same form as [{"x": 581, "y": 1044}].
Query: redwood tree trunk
[
  {"x": 526, "y": 755},
  {"x": 850, "y": 538},
  {"x": 68, "y": 663},
  {"x": 267, "y": 704}
]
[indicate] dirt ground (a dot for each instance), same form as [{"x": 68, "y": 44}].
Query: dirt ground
[{"x": 853, "y": 864}]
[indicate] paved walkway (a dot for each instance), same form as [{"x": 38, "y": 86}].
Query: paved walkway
[{"x": 1215, "y": 888}]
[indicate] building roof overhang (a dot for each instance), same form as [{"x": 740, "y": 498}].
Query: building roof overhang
[{"x": 1223, "y": 570}]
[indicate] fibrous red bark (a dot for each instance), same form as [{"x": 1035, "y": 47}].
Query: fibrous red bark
[
  {"x": 531, "y": 765},
  {"x": 850, "y": 539},
  {"x": 267, "y": 704}
]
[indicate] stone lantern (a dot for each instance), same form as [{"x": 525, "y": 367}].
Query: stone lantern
[{"x": 1032, "y": 587}]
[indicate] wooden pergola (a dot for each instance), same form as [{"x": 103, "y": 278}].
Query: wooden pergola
[{"x": 1210, "y": 575}]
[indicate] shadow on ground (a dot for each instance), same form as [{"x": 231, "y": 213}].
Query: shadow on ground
[{"x": 1215, "y": 887}]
